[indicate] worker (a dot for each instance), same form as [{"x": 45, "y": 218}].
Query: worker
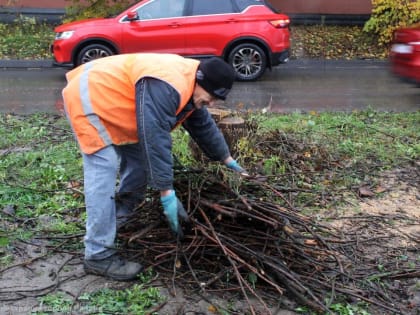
[{"x": 122, "y": 109}]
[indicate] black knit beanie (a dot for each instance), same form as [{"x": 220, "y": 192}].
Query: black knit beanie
[{"x": 216, "y": 76}]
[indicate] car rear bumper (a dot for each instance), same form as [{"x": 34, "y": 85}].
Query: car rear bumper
[{"x": 280, "y": 57}]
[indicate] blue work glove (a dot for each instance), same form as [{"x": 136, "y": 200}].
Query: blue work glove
[
  {"x": 174, "y": 212},
  {"x": 233, "y": 165}
]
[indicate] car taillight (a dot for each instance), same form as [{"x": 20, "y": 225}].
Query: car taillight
[
  {"x": 280, "y": 23},
  {"x": 416, "y": 46}
]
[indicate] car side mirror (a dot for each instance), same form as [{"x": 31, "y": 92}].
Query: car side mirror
[{"x": 132, "y": 16}]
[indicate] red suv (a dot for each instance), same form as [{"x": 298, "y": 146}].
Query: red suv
[
  {"x": 250, "y": 34},
  {"x": 405, "y": 53}
]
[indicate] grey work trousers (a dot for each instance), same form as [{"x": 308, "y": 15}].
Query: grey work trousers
[{"x": 101, "y": 170}]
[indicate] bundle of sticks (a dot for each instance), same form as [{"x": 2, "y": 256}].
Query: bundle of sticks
[{"x": 245, "y": 235}]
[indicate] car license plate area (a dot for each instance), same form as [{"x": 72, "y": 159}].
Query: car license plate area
[{"x": 402, "y": 49}]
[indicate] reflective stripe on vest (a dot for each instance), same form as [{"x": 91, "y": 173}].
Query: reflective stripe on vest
[{"x": 87, "y": 106}]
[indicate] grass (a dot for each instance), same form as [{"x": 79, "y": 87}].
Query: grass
[
  {"x": 41, "y": 176},
  {"x": 137, "y": 299},
  {"x": 41, "y": 168},
  {"x": 26, "y": 39},
  {"x": 357, "y": 135}
]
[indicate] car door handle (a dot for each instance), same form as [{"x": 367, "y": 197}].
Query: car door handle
[
  {"x": 232, "y": 20},
  {"x": 174, "y": 25}
]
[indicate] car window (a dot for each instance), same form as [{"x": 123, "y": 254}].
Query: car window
[
  {"x": 269, "y": 5},
  {"x": 204, "y": 7},
  {"x": 243, "y": 4},
  {"x": 159, "y": 9}
]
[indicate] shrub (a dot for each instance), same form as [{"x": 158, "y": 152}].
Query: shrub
[
  {"x": 95, "y": 8},
  {"x": 25, "y": 38},
  {"x": 388, "y": 15}
]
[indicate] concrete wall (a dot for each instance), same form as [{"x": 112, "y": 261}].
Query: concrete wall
[
  {"x": 337, "y": 12},
  {"x": 287, "y": 6},
  {"x": 48, "y": 4},
  {"x": 356, "y": 7}
]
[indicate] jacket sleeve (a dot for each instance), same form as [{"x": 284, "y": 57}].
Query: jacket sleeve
[
  {"x": 203, "y": 129},
  {"x": 156, "y": 105}
]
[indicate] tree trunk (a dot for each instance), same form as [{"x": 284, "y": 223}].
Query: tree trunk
[{"x": 232, "y": 127}]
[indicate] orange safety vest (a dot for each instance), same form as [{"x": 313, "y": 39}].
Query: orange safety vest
[{"x": 100, "y": 95}]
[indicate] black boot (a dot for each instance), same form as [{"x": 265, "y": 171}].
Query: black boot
[{"x": 113, "y": 267}]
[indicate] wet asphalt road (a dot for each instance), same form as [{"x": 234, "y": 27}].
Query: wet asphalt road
[{"x": 300, "y": 85}]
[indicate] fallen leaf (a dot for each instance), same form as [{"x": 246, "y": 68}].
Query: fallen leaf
[
  {"x": 365, "y": 191},
  {"x": 380, "y": 189},
  {"x": 212, "y": 309}
]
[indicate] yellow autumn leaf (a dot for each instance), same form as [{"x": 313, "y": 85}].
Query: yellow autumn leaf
[{"x": 212, "y": 309}]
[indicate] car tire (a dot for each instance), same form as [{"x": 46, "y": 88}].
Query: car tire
[
  {"x": 92, "y": 52},
  {"x": 249, "y": 61}
]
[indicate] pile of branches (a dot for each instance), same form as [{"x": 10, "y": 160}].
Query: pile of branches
[{"x": 245, "y": 235}]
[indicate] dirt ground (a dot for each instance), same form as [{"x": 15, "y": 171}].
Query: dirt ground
[{"x": 38, "y": 271}]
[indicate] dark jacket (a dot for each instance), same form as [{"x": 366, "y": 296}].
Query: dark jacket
[{"x": 156, "y": 105}]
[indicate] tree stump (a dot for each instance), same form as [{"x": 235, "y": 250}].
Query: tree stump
[{"x": 232, "y": 127}]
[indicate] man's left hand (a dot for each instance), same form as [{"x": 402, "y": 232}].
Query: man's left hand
[{"x": 234, "y": 165}]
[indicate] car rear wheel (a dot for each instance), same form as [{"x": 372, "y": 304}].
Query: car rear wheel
[
  {"x": 91, "y": 52},
  {"x": 249, "y": 61}
]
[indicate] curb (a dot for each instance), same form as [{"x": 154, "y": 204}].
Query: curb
[
  {"x": 25, "y": 64},
  {"x": 305, "y": 63},
  {"x": 335, "y": 63}
]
